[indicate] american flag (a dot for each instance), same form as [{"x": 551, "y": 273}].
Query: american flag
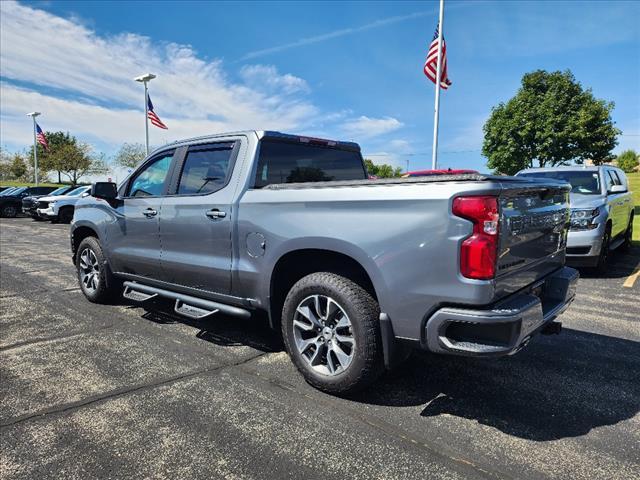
[
  {"x": 42, "y": 140},
  {"x": 431, "y": 64},
  {"x": 155, "y": 119}
]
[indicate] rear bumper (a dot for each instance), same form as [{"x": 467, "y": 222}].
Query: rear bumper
[{"x": 507, "y": 326}]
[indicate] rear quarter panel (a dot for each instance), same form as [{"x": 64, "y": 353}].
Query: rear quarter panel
[{"x": 404, "y": 236}]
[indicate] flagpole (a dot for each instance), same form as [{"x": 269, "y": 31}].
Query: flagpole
[
  {"x": 146, "y": 118},
  {"x": 33, "y": 116},
  {"x": 436, "y": 115},
  {"x": 144, "y": 79}
]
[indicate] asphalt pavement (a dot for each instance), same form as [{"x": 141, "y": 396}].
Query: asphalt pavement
[{"x": 120, "y": 391}]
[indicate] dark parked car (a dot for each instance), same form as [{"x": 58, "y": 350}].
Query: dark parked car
[
  {"x": 30, "y": 203},
  {"x": 11, "y": 203}
]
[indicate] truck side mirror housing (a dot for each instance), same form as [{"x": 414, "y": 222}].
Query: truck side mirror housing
[
  {"x": 105, "y": 190},
  {"x": 617, "y": 189}
]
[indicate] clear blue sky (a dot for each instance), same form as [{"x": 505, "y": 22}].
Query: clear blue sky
[{"x": 346, "y": 70}]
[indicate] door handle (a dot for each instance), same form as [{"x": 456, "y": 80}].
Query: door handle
[
  {"x": 215, "y": 213},
  {"x": 149, "y": 212}
]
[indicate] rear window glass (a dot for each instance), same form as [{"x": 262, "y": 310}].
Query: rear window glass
[
  {"x": 283, "y": 162},
  {"x": 205, "y": 169},
  {"x": 585, "y": 182}
]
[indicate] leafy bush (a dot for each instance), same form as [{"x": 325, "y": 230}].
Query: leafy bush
[{"x": 628, "y": 161}]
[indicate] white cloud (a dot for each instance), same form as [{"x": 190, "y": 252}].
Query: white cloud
[
  {"x": 83, "y": 83},
  {"x": 336, "y": 34},
  {"x": 192, "y": 95},
  {"x": 367, "y": 127},
  {"x": 267, "y": 77}
]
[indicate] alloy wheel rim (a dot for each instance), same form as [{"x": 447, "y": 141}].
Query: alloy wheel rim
[
  {"x": 323, "y": 335},
  {"x": 89, "y": 270}
]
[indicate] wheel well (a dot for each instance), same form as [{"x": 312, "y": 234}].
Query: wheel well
[
  {"x": 297, "y": 264},
  {"x": 78, "y": 235}
]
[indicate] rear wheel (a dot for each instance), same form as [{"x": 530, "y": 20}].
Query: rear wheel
[
  {"x": 95, "y": 279},
  {"x": 603, "y": 258},
  {"x": 331, "y": 331},
  {"x": 9, "y": 211}
]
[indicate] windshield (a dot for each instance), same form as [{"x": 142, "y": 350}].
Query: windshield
[
  {"x": 17, "y": 191},
  {"x": 583, "y": 182},
  {"x": 7, "y": 191},
  {"x": 58, "y": 191},
  {"x": 77, "y": 191}
]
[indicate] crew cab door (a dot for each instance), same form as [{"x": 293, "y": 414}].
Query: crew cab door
[
  {"x": 133, "y": 239},
  {"x": 196, "y": 221}
]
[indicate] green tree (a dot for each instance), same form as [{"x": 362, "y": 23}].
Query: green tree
[
  {"x": 18, "y": 167},
  {"x": 628, "y": 161},
  {"x": 130, "y": 155},
  {"x": 49, "y": 159},
  {"x": 550, "y": 121},
  {"x": 382, "y": 170},
  {"x": 75, "y": 161}
]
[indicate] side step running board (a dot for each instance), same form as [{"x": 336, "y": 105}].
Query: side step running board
[
  {"x": 136, "y": 295},
  {"x": 192, "y": 307},
  {"x": 193, "y": 312}
]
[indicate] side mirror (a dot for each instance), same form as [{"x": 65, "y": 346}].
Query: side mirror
[
  {"x": 617, "y": 189},
  {"x": 104, "y": 190}
]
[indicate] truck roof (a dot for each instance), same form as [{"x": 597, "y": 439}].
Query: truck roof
[{"x": 261, "y": 134}]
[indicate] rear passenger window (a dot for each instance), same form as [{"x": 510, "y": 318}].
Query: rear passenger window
[
  {"x": 616, "y": 178},
  {"x": 205, "y": 169}
]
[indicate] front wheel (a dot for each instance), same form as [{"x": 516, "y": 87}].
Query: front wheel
[
  {"x": 603, "y": 258},
  {"x": 65, "y": 215},
  {"x": 628, "y": 236},
  {"x": 9, "y": 211},
  {"x": 95, "y": 279},
  {"x": 331, "y": 330}
]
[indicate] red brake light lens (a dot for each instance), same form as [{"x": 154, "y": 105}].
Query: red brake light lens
[{"x": 478, "y": 252}]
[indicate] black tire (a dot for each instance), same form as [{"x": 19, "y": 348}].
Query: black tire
[
  {"x": 65, "y": 215},
  {"x": 9, "y": 211},
  {"x": 106, "y": 287},
  {"x": 362, "y": 312},
  {"x": 37, "y": 218},
  {"x": 603, "y": 258},
  {"x": 628, "y": 236}
]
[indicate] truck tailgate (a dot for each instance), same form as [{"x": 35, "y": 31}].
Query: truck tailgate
[{"x": 534, "y": 221}]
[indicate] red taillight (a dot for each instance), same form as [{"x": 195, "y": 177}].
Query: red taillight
[{"x": 478, "y": 252}]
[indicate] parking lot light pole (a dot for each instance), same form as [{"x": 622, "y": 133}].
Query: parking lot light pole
[
  {"x": 33, "y": 116},
  {"x": 147, "y": 77}
]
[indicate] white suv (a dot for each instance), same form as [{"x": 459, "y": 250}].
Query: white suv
[{"x": 60, "y": 208}]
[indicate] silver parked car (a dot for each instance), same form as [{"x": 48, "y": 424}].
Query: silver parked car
[{"x": 601, "y": 211}]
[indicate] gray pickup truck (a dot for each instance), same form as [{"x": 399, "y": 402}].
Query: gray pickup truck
[{"x": 354, "y": 272}]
